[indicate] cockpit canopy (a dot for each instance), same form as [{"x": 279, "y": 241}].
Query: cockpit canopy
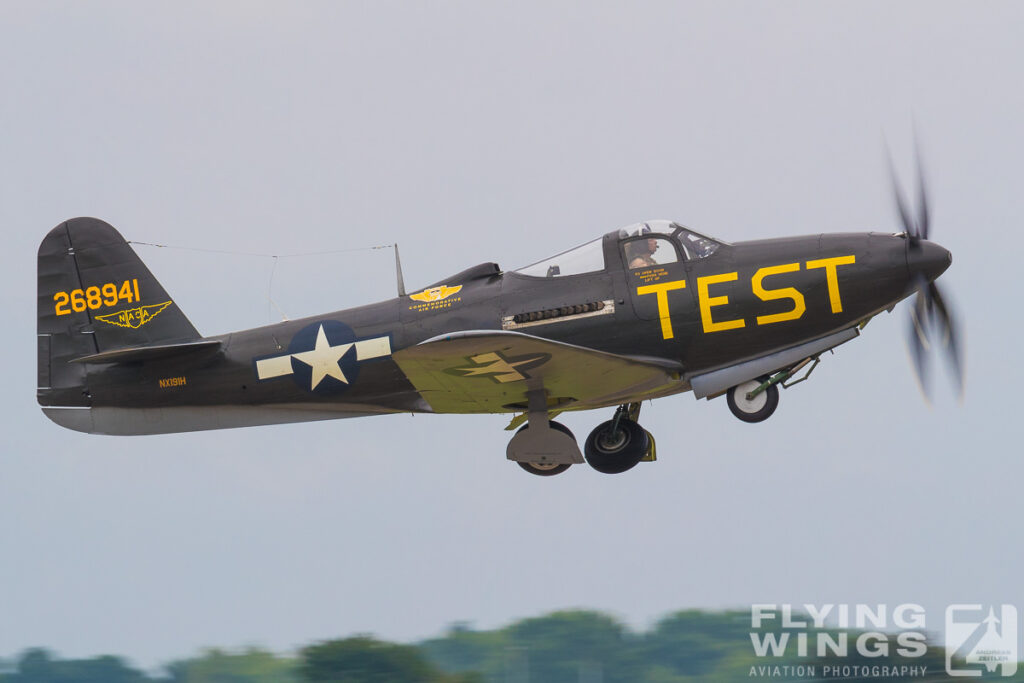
[
  {"x": 641, "y": 244},
  {"x": 586, "y": 258}
]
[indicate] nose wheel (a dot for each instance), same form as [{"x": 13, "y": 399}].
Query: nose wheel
[
  {"x": 618, "y": 444},
  {"x": 751, "y": 405}
]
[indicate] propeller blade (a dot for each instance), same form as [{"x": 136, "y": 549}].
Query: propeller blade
[
  {"x": 922, "y": 193},
  {"x": 949, "y": 336},
  {"x": 909, "y": 226},
  {"x": 932, "y": 325},
  {"x": 917, "y": 341}
]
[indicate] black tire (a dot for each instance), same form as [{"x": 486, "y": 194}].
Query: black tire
[
  {"x": 544, "y": 470},
  {"x": 758, "y": 410},
  {"x": 614, "y": 453},
  {"x": 540, "y": 469}
]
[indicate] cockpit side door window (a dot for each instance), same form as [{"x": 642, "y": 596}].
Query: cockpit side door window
[{"x": 657, "y": 279}]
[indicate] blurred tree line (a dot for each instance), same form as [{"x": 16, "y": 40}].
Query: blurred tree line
[{"x": 562, "y": 647}]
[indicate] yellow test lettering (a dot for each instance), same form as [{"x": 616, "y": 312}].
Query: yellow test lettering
[
  {"x": 662, "y": 289},
  {"x": 763, "y": 294},
  {"x": 707, "y": 302},
  {"x": 830, "y": 265}
]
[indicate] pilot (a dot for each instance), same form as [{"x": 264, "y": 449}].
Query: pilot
[{"x": 641, "y": 252}]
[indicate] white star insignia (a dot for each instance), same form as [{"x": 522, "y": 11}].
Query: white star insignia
[{"x": 323, "y": 359}]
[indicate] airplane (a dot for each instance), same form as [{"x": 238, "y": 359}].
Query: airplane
[{"x": 651, "y": 310}]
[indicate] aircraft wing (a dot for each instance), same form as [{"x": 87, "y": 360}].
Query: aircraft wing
[{"x": 490, "y": 371}]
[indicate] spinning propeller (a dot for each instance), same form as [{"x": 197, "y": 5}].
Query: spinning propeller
[{"x": 931, "y": 323}]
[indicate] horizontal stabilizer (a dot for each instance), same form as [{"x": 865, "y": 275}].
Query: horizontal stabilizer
[{"x": 137, "y": 354}]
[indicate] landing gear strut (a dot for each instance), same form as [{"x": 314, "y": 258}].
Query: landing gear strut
[{"x": 620, "y": 443}]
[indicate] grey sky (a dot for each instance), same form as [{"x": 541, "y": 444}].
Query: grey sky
[{"x": 471, "y": 132}]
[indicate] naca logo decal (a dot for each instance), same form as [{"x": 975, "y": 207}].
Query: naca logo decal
[
  {"x": 134, "y": 317},
  {"x": 323, "y": 357}
]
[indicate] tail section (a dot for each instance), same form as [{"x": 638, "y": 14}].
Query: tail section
[{"x": 95, "y": 296}]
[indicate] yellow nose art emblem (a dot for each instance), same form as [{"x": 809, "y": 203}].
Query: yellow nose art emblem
[{"x": 436, "y": 293}]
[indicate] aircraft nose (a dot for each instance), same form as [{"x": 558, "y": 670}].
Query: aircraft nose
[{"x": 928, "y": 258}]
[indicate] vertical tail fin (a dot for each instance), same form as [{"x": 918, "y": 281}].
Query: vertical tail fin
[{"x": 95, "y": 294}]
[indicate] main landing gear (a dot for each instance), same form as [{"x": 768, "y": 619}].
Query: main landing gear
[
  {"x": 620, "y": 443},
  {"x": 546, "y": 448},
  {"x": 544, "y": 467}
]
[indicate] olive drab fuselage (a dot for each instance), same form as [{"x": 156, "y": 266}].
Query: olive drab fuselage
[{"x": 744, "y": 300}]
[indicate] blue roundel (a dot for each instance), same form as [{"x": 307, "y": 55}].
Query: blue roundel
[{"x": 324, "y": 357}]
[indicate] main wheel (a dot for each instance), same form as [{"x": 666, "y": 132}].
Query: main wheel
[
  {"x": 611, "y": 451},
  {"x": 544, "y": 469},
  {"x": 547, "y": 469},
  {"x": 756, "y": 409}
]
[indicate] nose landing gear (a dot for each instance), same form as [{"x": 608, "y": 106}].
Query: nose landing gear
[
  {"x": 756, "y": 400},
  {"x": 751, "y": 405}
]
